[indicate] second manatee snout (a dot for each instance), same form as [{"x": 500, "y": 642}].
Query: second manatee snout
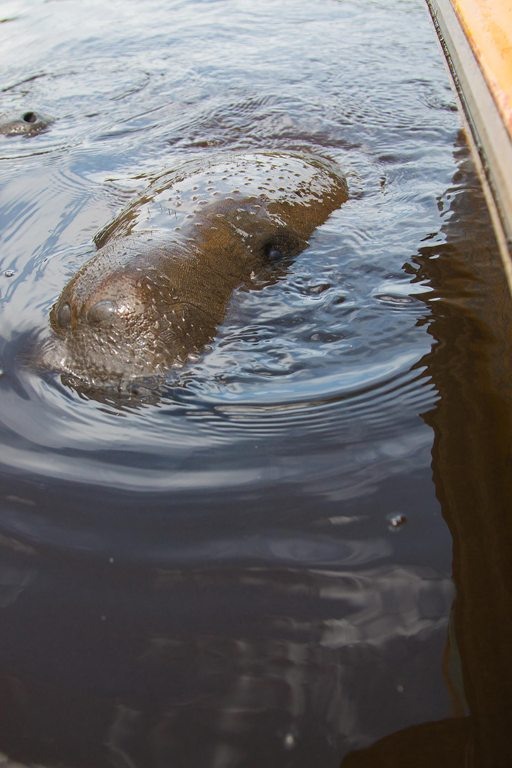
[
  {"x": 27, "y": 124},
  {"x": 165, "y": 269}
]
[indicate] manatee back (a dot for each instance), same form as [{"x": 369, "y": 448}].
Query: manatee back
[{"x": 298, "y": 190}]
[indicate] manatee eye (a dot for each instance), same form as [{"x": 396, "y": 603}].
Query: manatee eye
[
  {"x": 283, "y": 244},
  {"x": 64, "y": 315},
  {"x": 101, "y": 312},
  {"x": 272, "y": 251},
  {"x": 30, "y": 117}
]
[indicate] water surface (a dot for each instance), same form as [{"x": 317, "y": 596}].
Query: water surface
[{"x": 253, "y": 569}]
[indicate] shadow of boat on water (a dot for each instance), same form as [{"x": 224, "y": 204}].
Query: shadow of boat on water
[{"x": 471, "y": 366}]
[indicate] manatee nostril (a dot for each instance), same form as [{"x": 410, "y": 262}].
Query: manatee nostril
[
  {"x": 101, "y": 312},
  {"x": 64, "y": 315},
  {"x": 30, "y": 117}
]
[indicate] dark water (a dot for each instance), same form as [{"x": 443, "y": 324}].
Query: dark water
[{"x": 256, "y": 569}]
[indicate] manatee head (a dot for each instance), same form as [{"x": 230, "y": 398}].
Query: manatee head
[{"x": 166, "y": 267}]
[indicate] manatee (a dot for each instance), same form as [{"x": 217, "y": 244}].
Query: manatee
[
  {"x": 165, "y": 269},
  {"x": 27, "y": 124}
]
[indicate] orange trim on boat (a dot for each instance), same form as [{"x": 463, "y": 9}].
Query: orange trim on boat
[
  {"x": 488, "y": 27},
  {"x": 476, "y": 38}
]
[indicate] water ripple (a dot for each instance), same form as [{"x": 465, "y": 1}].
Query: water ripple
[{"x": 222, "y": 559}]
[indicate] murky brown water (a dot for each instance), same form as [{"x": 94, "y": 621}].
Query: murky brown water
[{"x": 258, "y": 568}]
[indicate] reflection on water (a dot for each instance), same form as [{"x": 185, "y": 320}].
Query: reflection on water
[
  {"x": 470, "y": 365},
  {"x": 206, "y": 653},
  {"x": 215, "y": 578}
]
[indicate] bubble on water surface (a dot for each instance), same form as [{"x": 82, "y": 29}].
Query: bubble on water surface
[{"x": 396, "y": 520}]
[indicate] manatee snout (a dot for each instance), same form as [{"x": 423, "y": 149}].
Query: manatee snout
[
  {"x": 100, "y": 308},
  {"x": 107, "y": 323}
]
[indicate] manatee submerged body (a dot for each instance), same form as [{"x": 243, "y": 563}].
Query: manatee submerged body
[
  {"x": 165, "y": 269},
  {"x": 27, "y": 124}
]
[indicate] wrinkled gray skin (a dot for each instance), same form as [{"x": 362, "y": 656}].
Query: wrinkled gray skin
[
  {"x": 165, "y": 269},
  {"x": 27, "y": 124}
]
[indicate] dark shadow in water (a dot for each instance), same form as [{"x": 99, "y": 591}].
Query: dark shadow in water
[{"x": 471, "y": 366}]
